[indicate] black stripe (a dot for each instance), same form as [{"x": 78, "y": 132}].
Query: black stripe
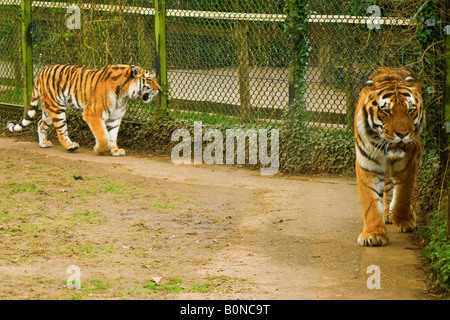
[
  {"x": 57, "y": 119},
  {"x": 129, "y": 77},
  {"x": 83, "y": 83},
  {"x": 372, "y": 171},
  {"x": 108, "y": 76},
  {"x": 55, "y": 73},
  {"x": 380, "y": 195},
  {"x": 359, "y": 138},
  {"x": 111, "y": 128},
  {"x": 387, "y": 95},
  {"x": 73, "y": 85},
  {"x": 104, "y": 73},
  {"x": 48, "y": 75},
  {"x": 61, "y": 77},
  {"x": 58, "y": 127},
  {"x": 369, "y": 131},
  {"x": 365, "y": 155},
  {"x": 78, "y": 84},
  {"x": 99, "y": 73},
  {"x": 66, "y": 73},
  {"x": 372, "y": 118}
]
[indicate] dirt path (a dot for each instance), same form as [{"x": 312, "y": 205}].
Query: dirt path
[{"x": 218, "y": 232}]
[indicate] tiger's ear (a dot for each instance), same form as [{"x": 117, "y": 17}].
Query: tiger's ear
[
  {"x": 368, "y": 83},
  {"x": 135, "y": 71}
]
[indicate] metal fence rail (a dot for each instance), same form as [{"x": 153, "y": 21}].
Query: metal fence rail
[{"x": 225, "y": 61}]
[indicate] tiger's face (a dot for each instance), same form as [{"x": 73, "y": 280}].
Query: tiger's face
[
  {"x": 146, "y": 86},
  {"x": 395, "y": 115}
]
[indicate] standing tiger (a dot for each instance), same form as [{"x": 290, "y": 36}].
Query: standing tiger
[
  {"x": 389, "y": 119},
  {"x": 101, "y": 94}
]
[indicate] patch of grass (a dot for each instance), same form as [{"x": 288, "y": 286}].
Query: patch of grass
[
  {"x": 83, "y": 194},
  {"x": 217, "y": 219},
  {"x": 12, "y": 230},
  {"x": 11, "y": 216},
  {"x": 25, "y": 187},
  {"x": 201, "y": 288},
  {"x": 172, "y": 286},
  {"x": 94, "y": 187},
  {"x": 165, "y": 206},
  {"x": 109, "y": 248},
  {"x": 86, "y": 217},
  {"x": 82, "y": 251},
  {"x": 114, "y": 187},
  {"x": 95, "y": 286}
]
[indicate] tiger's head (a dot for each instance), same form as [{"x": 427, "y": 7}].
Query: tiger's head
[
  {"x": 393, "y": 110},
  {"x": 146, "y": 86}
]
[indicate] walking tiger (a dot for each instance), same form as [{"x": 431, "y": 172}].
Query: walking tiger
[{"x": 101, "y": 94}]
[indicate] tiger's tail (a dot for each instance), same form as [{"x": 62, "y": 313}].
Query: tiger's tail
[{"x": 15, "y": 127}]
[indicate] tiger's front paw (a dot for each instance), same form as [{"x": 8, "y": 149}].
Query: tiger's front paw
[
  {"x": 405, "y": 225},
  {"x": 367, "y": 239},
  {"x": 118, "y": 152},
  {"x": 45, "y": 144},
  {"x": 74, "y": 146}
]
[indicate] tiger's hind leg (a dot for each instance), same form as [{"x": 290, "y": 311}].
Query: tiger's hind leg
[
  {"x": 43, "y": 127},
  {"x": 58, "y": 117}
]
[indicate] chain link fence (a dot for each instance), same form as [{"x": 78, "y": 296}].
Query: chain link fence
[
  {"x": 228, "y": 61},
  {"x": 349, "y": 40}
]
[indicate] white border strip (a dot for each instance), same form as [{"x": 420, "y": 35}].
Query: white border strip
[{"x": 224, "y": 15}]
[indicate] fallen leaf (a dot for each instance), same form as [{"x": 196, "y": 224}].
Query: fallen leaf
[{"x": 156, "y": 280}]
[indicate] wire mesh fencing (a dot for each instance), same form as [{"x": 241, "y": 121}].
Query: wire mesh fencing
[
  {"x": 349, "y": 41},
  {"x": 228, "y": 61},
  {"x": 11, "y": 84},
  {"x": 83, "y": 33}
]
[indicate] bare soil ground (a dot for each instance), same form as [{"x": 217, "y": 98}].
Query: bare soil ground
[{"x": 209, "y": 232}]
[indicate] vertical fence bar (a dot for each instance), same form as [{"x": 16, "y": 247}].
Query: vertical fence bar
[
  {"x": 243, "y": 68},
  {"x": 292, "y": 66},
  {"x": 447, "y": 108},
  {"x": 350, "y": 98},
  {"x": 444, "y": 154},
  {"x": 160, "y": 58},
  {"x": 26, "y": 53}
]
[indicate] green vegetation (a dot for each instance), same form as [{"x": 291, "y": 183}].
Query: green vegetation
[
  {"x": 341, "y": 55},
  {"x": 99, "y": 287},
  {"x": 437, "y": 249}
]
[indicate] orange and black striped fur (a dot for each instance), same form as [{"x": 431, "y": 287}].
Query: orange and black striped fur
[
  {"x": 389, "y": 119},
  {"x": 101, "y": 94}
]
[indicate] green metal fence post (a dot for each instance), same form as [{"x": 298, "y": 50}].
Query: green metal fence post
[
  {"x": 293, "y": 65},
  {"x": 447, "y": 112},
  {"x": 160, "y": 59},
  {"x": 243, "y": 68},
  {"x": 26, "y": 53}
]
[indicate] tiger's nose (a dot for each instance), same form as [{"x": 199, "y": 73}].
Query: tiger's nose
[{"x": 401, "y": 135}]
